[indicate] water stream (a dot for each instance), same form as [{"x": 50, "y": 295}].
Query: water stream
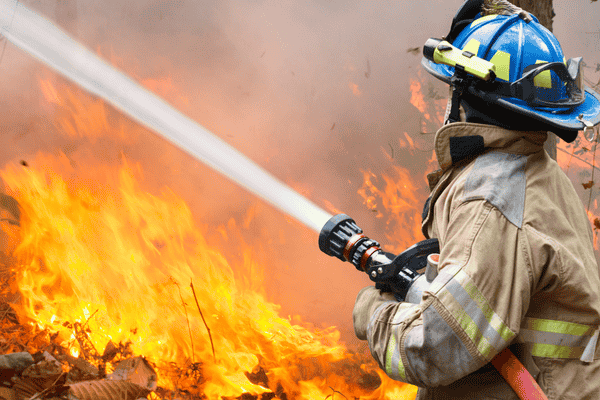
[{"x": 37, "y": 36}]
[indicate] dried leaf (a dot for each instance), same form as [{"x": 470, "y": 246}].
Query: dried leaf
[
  {"x": 110, "y": 351},
  {"x": 8, "y": 394},
  {"x": 49, "y": 368},
  {"x": 107, "y": 390},
  {"x": 596, "y": 223},
  {"x": 499, "y": 7},
  {"x": 10, "y": 204},
  {"x": 81, "y": 370},
  {"x": 38, "y": 387},
  {"x": 258, "y": 376},
  {"x": 588, "y": 185},
  {"x": 136, "y": 370}
]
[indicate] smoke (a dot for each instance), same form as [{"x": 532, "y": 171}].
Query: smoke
[{"x": 312, "y": 91}]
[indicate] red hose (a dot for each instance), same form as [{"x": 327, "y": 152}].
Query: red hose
[{"x": 517, "y": 376}]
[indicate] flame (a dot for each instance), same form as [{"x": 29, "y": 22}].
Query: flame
[
  {"x": 408, "y": 143},
  {"x": 578, "y": 160},
  {"x": 417, "y": 99},
  {"x": 398, "y": 198},
  {"x": 101, "y": 259},
  {"x": 594, "y": 224},
  {"x": 432, "y": 103},
  {"x": 355, "y": 90}
]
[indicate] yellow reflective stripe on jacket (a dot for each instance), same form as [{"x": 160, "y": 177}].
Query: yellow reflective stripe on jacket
[
  {"x": 394, "y": 366},
  {"x": 475, "y": 315},
  {"x": 549, "y": 325},
  {"x": 556, "y": 339}
]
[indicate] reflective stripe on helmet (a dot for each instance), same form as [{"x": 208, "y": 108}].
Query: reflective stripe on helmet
[
  {"x": 483, "y": 19},
  {"x": 558, "y": 339},
  {"x": 502, "y": 62},
  {"x": 472, "y": 46},
  {"x": 543, "y": 79}
]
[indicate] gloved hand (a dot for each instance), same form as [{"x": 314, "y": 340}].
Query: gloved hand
[{"x": 367, "y": 301}]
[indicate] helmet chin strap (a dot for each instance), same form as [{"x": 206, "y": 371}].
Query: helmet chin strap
[
  {"x": 454, "y": 115},
  {"x": 459, "y": 84},
  {"x": 448, "y": 106},
  {"x": 454, "y": 110}
]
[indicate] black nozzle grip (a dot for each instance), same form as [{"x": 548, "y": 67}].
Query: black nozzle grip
[{"x": 335, "y": 235}]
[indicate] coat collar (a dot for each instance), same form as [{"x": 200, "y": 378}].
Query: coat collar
[{"x": 458, "y": 141}]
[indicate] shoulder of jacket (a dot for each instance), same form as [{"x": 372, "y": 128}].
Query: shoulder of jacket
[{"x": 499, "y": 179}]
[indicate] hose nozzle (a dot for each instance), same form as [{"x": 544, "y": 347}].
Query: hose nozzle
[{"x": 342, "y": 238}]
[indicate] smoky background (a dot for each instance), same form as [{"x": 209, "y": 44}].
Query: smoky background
[{"x": 315, "y": 92}]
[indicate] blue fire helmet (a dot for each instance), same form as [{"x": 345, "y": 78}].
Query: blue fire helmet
[{"x": 531, "y": 75}]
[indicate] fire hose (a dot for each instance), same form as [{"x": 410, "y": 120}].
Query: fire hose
[{"x": 339, "y": 235}]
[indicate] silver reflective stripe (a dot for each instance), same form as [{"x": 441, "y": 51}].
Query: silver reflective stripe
[
  {"x": 444, "y": 276},
  {"x": 559, "y": 339},
  {"x": 393, "y": 362},
  {"x": 435, "y": 354},
  {"x": 472, "y": 309},
  {"x": 590, "y": 349},
  {"x": 475, "y": 315},
  {"x": 554, "y": 338}
]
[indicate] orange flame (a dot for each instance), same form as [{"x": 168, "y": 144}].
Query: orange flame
[
  {"x": 417, "y": 99},
  {"x": 97, "y": 249},
  {"x": 398, "y": 198},
  {"x": 578, "y": 161},
  {"x": 594, "y": 222},
  {"x": 355, "y": 90},
  {"x": 407, "y": 143}
]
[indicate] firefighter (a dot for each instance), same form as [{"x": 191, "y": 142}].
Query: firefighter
[{"x": 517, "y": 267}]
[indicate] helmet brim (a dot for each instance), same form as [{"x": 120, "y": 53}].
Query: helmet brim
[{"x": 561, "y": 119}]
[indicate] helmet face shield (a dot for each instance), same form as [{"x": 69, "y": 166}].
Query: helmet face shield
[{"x": 552, "y": 85}]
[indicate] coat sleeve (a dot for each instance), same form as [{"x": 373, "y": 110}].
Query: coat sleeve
[{"x": 472, "y": 310}]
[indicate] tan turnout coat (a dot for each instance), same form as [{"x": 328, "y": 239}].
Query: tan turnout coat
[{"x": 517, "y": 269}]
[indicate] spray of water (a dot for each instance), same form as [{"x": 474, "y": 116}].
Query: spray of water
[{"x": 40, "y": 38}]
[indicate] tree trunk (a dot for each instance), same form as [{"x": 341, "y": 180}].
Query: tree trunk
[
  {"x": 542, "y": 9},
  {"x": 544, "y": 12}
]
